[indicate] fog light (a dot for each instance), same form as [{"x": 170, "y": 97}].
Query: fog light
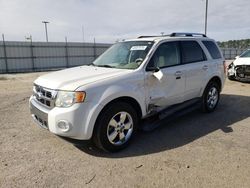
[{"x": 63, "y": 125}]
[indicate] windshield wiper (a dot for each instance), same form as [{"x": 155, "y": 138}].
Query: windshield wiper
[
  {"x": 107, "y": 66},
  {"x": 91, "y": 64}
]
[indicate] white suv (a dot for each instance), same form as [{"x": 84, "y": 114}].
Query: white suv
[{"x": 151, "y": 76}]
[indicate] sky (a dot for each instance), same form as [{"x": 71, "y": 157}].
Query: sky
[{"x": 111, "y": 20}]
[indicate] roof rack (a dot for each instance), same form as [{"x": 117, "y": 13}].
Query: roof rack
[
  {"x": 148, "y": 36},
  {"x": 176, "y": 34},
  {"x": 187, "y": 34}
]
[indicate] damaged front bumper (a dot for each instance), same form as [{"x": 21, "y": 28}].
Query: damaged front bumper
[{"x": 239, "y": 72}]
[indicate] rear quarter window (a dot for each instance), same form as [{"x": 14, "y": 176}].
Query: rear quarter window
[
  {"x": 191, "y": 52},
  {"x": 212, "y": 49}
]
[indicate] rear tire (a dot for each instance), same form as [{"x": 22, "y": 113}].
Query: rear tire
[
  {"x": 211, "y": 97},
  {"x": 115, "y": 127}
]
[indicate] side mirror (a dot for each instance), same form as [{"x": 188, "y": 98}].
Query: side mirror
[
  {"x": 237, "y": 57},
  {"x": 153, "y": 69}
]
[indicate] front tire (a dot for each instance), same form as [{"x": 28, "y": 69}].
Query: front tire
[
  {"x": 211, "y": 97},
  {"x": 115, "y": 127}
]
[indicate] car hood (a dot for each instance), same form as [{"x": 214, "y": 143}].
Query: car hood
[
  {"x": 72, "y": 78},
  {"x": 242, "y": 61}
]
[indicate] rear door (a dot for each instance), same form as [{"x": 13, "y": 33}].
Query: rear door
[{"x": 196, "y": 67}]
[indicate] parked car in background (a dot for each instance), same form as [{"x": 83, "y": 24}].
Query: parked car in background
[
  {"x": 132, "y": 81},
  {"x": 239, "y": 69}
]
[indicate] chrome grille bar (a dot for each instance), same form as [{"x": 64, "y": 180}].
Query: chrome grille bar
[{"x": 44, "y": 96}]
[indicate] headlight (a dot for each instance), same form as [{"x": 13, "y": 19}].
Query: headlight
[
  {"x": 68, "y": 98},
  {"x": 231, "y": 65}
]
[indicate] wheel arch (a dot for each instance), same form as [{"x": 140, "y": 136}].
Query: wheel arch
[
  {"x": 129, "y": 100},
  {"x": 217, "y": 80}
]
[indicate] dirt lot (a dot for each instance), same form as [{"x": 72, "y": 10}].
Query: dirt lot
[{"x": 197, "y": 150}]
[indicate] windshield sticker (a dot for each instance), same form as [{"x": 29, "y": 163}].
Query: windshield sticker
[{"x": 138, "y": 48}]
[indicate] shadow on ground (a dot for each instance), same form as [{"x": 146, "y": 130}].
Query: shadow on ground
[{"x": 182, "y": 131}]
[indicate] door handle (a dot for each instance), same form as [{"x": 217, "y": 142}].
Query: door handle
[
  {"x": 205, "y": 67},
  {"x": 178, "y": 75}
]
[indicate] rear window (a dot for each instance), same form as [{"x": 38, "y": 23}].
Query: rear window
[
  {"x": 213, "y": 49},
  {"x": 191, "y": 52}
]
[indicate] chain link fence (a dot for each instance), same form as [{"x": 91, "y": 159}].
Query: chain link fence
[
  {"x": 40, "y": 56},
  {"x": 231, "y": 53}
]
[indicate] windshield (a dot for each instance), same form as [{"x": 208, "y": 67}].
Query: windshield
[
  {"x": 245, "y": 54},
  {"x": 124, "y": 55}
]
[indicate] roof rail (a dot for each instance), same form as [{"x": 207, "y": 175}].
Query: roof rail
[
  {"x": 146, "y": 36},
  {"x": 176, "y": 34},
  {"x": 153, "y": 36},
  {"x": 187, "y": 34}
]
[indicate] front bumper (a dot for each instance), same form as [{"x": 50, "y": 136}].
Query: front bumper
[
  {"x": 240, "y": 72},
  {"x": 39, "y": 113},
  {"x": 78, "y": 116}
]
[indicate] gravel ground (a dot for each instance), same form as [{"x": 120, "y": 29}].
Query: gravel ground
[{"x": 196, "y": 150}]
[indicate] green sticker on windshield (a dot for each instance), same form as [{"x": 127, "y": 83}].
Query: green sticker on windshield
[{"x": 138, "y": 48}]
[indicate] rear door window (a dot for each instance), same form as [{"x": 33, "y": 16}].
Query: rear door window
[
  {"x": 191, "y": 52},
  {"x": 213, "y": 49}
]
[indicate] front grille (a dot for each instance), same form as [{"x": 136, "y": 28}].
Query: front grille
[
  {"x": 242, "y": 69},
  {"x": 44, "y": 96},
  {"x": 248, "y": 68}
]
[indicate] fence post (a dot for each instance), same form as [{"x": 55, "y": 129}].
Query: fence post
[
  {"x": 5, "y": 55},
  {"x": 83, "y": 52},
  {"x": 32, "y": 54},
  {"x": 94, "y": 48},
  {"x": 66, "y": 52}
]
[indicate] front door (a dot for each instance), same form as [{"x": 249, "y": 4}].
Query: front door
[{"x": 166, "y": 86}]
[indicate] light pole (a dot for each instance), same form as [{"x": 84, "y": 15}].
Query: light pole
[
  {"x": 206, "y": 17},
  {"x": 46, "y": 31},
  {"x": 82, "y": 33}
]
